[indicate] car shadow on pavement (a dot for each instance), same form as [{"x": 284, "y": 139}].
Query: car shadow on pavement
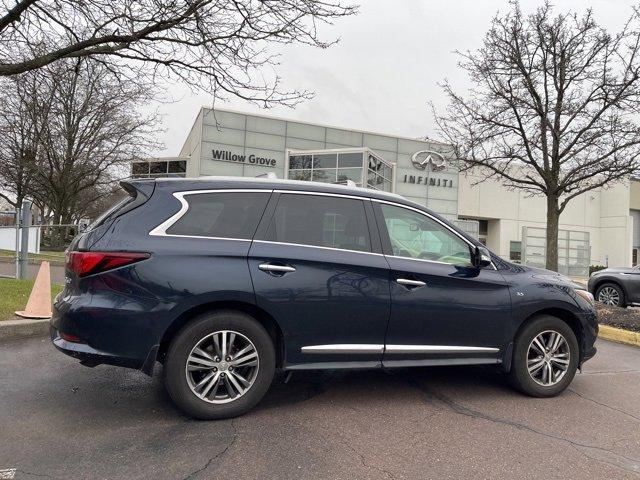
[{"x": 304, "y": 386}]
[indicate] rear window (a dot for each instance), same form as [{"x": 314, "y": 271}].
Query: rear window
[{"x": 221, "y": 215}]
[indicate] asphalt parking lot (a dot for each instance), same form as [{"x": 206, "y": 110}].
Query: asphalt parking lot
[{"x": 61, "y": 420}]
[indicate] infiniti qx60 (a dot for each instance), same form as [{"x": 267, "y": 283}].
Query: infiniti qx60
[{"x": 224, "y": 280}]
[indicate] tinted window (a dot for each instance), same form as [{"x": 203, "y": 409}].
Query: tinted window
[
  {"x": 417, "y": 236},
  {"x": 224, "y": 215},
  {"x": 320, "y": 221}
]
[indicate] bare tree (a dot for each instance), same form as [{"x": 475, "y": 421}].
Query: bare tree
[
  {"x": 218, "y": 44},
  {"x": 92, "y": 128},
  {"x": 67, "y": 129},
  {"x": 23, "y": 115},
  {"x": 553, "y": 107}
]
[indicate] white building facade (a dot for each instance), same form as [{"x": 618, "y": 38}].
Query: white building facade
[{"x": 596, "y": 228}]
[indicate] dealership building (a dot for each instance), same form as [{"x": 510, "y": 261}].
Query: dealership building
[{"x": 601, "y": 227}]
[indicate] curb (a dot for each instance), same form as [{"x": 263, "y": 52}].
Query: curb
[
  {"x": 619, "y": 335},
  {"x": 10, "y": 329}
]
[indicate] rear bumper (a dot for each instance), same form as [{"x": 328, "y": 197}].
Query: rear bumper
[
  {"x": 91, "y": 357},
  {"x": 111, "y": 330}
]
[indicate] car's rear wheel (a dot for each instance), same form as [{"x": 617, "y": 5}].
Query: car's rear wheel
[
  {"x": 611, "y": 294},
  {"x": 220, "y": 365},
  {"x": 545, "y": 357}
]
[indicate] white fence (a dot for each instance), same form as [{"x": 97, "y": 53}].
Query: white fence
[{"x": 8, "y": 239}]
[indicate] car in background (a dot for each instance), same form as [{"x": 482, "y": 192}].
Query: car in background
[
  {"x": 616, "y": 286},
  {"x": 225, "y": 280}
]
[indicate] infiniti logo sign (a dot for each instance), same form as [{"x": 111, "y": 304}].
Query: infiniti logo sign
[{"x": 421, "y": 159}]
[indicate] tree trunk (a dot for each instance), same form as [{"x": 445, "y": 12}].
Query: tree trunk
[{"x": 553, "y": 217}]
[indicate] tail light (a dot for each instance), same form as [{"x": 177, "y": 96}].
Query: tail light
[
  {"x": 88, "y": 263},
  {"x": 70, "y": 338}
]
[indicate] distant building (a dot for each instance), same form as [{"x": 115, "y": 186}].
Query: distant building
[{"x": 598, "y": 227}]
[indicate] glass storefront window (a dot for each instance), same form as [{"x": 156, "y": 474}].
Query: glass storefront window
[
  {"x": 157, "y": 167},
  {"x": 354, "y": 174},
  {"x": 169, "y": 168},
  {"x": 374, "y": 163},
  {"x": 329, "y": 160},
  {"x": 360, "y": 166},
  {"x": 179, "y": 166},
  {"x": 324, "y": 175},
  {"x": 300, "y": 175},
  {"x": 140, "y": 168},
  {"x": 300, "y": 162},
  {"x": 350, "y": 160}
]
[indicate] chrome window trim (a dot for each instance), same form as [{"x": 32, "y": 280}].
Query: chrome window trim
[
  {"x": 438, "y": 349},
  {"x": 324, "y": 194},
  {"x": 423, "y": 260},
  {"x": 317, "y": 246},
  {"x": 161, "y": 230},
  {"x": 407, "y": 207},
  {"x": 343, "y": 348}
]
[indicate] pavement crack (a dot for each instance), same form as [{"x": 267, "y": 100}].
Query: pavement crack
[
  {"x": 612, "y": 372},
  {"x": 593, "y": 452},
  {"x": 364, "y": 463},
  {"x": 234, "y": 436},
  {"x": 360, "y": 456},
  {"x": 604, "y": 405}
]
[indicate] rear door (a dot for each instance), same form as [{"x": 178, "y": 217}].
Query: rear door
[
  {"x": 320, "y": 273},
  {"x": 443, "y": 309}
]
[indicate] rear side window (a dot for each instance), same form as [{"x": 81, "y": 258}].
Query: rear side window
[
  {"x": 320, "y": 221},
  {"x": 221, "y": 215}
]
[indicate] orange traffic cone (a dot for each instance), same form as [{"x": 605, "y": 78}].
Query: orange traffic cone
[{"x": 39, "y": 303}]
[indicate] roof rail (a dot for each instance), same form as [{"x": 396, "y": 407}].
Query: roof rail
[
  {"x": 269, "y": 175},
  {"x": 348, "y": 183}
]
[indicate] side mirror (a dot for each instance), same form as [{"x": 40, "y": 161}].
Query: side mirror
[{"x": 482, "y": 257}]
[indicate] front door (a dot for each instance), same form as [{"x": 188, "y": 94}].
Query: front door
[
  {"x": 443, "y": 309},
  {"x": 317, "y": 270}
]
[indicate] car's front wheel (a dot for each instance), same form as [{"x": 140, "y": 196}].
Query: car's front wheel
[
  {"x": 611, "y": 294},
  {"x": 545, "y": 357},
  {"x": 220, "y": 365}
]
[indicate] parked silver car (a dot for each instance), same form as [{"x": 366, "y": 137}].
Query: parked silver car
[{"x": 616, "y": 286}]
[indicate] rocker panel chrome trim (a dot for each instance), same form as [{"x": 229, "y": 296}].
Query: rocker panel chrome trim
[
  {"x": 343, "y": 348},
  {"x": 438, "y": 349}
]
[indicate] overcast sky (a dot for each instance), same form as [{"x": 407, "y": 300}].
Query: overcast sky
[{"x": 384, "y": 70}]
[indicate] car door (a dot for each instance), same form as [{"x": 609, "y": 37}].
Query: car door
[
  {"x": 443, "y": 309},
  {"x": 318, "y": 271}
]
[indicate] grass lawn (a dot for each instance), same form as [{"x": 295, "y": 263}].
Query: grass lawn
[
  {"x": 43, "y": 255},
  {"x": 14, "y": 295}
]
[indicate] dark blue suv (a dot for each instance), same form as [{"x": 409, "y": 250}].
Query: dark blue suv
[{"x": 225, "y": 280}]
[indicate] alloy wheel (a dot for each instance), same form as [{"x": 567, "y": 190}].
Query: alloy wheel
[
  {"x": 548, "y": 358},
  {"x": 609, "y": 296},
  {"x": 222, "y": 366}
]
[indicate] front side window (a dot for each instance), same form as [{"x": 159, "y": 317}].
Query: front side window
[
  {"x": 221, "y": 215},
  {"x": 321, "y": 221},
  {"x": 414, "y": 235}
]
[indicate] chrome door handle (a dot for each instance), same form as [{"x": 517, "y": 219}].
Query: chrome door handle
[
  {"x": 269, "y": 267},
  {"x": 410, "y": 283}
]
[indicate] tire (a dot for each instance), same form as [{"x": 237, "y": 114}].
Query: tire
[
  {"x": 608, "y": 291},
  {"x": 203, "y": 384},
  {"x": 527, "y": 354}
]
